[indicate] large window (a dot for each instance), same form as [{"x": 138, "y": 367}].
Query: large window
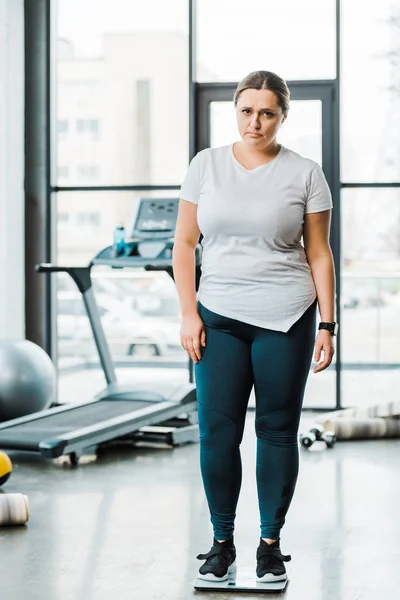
[{"x": 123, "y": 121}]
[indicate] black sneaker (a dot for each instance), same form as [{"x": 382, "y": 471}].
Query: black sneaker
[
  {"x": 220, "y": 561},
  {"x": 270, "y": 561}
]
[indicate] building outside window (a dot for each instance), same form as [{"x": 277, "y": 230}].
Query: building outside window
[
  {"x": 88, "y": 172},
  {"x": 90, "y": 127},
  {"x": 62, "y": 171},
  {"x": 62, "y": 129},
  {"x": 88, "y": 218},
  {"x": 133, "y": 122}
]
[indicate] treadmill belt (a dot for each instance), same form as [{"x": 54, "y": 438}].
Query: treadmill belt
[{"x": 29, "y": 435}]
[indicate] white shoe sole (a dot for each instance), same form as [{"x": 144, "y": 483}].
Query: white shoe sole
[
  {"x": 210, "y": 577},
  {"x": 270, "y": 578}
]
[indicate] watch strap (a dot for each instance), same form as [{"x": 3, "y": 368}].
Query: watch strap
[{"x": 331, "y": 327}]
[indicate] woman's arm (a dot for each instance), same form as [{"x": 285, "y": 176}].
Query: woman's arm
[
  {"x": 187, "y": 235},
  {"x": 319, "y": 256}
]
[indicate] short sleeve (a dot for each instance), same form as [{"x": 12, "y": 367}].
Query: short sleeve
[
  {"x": 319, "y": 196},
  {"x": 190, "y": 189}
]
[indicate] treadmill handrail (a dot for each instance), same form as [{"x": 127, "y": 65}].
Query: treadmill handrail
[
  {"x": 105, "y": 258},
  {"x": 80, "y": 275},
  {"x": 51, "y": 268},
  {"x": 127, "y": 261}
]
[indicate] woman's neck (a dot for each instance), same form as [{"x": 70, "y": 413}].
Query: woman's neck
[{"x": 270, "y": 152}]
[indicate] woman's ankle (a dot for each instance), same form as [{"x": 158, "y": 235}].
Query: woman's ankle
[{"x": 268, "y": 540}]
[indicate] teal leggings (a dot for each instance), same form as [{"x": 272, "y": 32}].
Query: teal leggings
[{"x": 236, "y": 357}]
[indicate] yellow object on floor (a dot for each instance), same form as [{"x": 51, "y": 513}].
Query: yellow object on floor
[{"x": 5, "y": 467}]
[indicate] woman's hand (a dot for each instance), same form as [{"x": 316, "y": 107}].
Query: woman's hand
[
  {"x": 193, "y": 336},
  {"x": 324, "y": 343}
]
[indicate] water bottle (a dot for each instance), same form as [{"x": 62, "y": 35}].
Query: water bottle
[{"x": 119, "y": 241}]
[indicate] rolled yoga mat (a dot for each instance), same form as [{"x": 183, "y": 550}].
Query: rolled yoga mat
[
  {"x": 383, "y": 409},
  {"x": 14, "y": 509},
  {"x": 358, "y": 429}
]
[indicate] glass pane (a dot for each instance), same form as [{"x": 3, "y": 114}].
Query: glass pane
[
  {"x": 122, "y": 80},
  {"x": 235, "y": 38},
  {"x": 139, "y": 309},
  {"x": 370, "y": 115},
  {"x": 370, "y": 231},
  {"x": 369, "y": 386},
  {"x": 321, "y": 388},
  {"x": 370, "y": 299},
  {"x": 301, "y": 132}
]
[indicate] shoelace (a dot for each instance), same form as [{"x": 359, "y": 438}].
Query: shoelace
[
  {"x": 265, "y": 551},
  {"x": 219, "y": 551}
]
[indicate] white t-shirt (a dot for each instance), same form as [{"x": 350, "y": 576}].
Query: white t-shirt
[{"x": 254, "y": 267}]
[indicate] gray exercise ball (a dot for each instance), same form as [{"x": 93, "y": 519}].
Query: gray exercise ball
[{"x": 27, "y": 379}]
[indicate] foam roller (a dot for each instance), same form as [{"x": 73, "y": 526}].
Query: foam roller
[
  {"x": 14, "y": 509},
  {"x": 383, "y": 409},
  {"x": 358, "y": 429}
]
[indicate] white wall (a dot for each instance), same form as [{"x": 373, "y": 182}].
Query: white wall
[{"x": 12, "y": 237}]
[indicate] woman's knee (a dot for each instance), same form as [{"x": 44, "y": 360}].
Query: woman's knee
[
  {"x": 216, "y": 428},
  {"x": 277, "y": 433}
]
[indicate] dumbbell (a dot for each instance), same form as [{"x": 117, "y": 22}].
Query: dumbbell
[
  {"x": 329, "y": 438},
  {"x": 317, "y": 434}
]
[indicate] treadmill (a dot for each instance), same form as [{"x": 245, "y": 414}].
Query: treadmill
[{"x": 119, "y": 412}]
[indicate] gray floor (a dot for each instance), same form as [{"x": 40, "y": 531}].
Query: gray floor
[{"x": 129, "y": 526}]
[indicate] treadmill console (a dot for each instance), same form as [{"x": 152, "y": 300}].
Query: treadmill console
[
  {"x": 155, "y": 218},
  {"x": 151, "y": 240}
]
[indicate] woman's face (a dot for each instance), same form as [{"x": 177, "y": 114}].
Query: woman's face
[{"x": 259, "y": 117}]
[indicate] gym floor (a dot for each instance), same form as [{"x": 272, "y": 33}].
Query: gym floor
[{"x": 129, "y": 525}]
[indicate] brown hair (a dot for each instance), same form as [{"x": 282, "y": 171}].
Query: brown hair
[{"x": 265, "y": 80}]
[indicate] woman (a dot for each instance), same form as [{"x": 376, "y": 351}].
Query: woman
[{"x": 253, "y": 322}]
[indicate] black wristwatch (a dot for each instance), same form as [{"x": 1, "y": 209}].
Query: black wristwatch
[{"x": 331, "y": 327}]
